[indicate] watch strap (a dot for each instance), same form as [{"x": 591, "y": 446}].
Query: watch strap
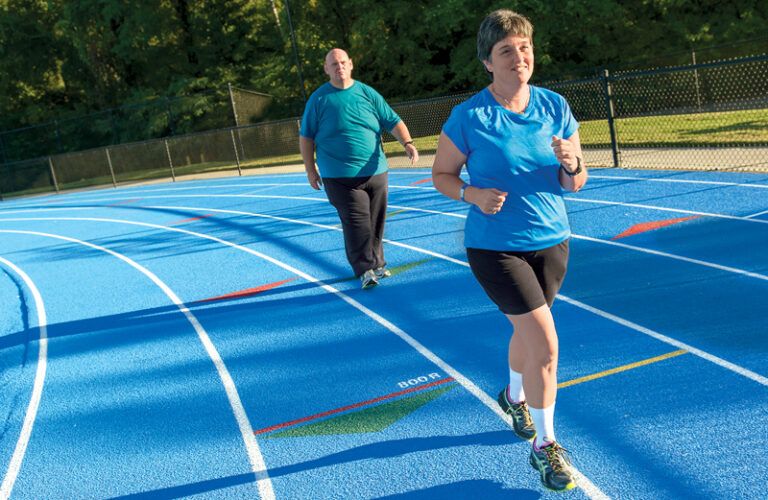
[{"x": 573, "y": 173}]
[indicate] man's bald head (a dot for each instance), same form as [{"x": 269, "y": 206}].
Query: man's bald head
[{"x": 338, "y": 66}]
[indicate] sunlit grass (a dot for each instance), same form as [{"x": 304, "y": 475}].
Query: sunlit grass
[{"x": 728, "y": 128}]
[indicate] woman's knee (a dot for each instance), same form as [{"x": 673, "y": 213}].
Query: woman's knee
[{"x": 544, "y": 357}]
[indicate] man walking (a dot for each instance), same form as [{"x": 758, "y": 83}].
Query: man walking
[{"x": 343, "y": 121}]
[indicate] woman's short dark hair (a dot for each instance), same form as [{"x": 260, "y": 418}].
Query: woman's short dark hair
[{"x": 498, "y": 25}]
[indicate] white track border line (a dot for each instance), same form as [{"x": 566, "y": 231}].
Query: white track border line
[
  {"x": 669, "y": 340},
  {"x": 258, "y": 465},
  {"x": 14, "y": 465},
  {"x": 679, "y": 181},
  {"x": 664, "y": 209},
  {"x": 758, "y": 214},
  {"x": 444, "y": 257},
  {"x": 750, "y": 218},
  {"x": 413, "y": 209},
  {"x": 673, "y": 256},
  {"x": 709, "y": 357},
  {"x": 214, "y": 183},
  {"x": 584, "y": 483},
  {"x": 720, "y": 362},
  {"x": 604, "y": 314}
]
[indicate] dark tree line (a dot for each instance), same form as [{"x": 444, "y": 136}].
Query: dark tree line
[{"x": 62, "y": 58}]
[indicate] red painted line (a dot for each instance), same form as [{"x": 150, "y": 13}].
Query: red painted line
[
  {"x": 249, "y": 291},
  {"x": 353, "y": 406},
  {"x": 422, "y": 181},
  {"x": 124, "y": 202},
  {"x": 191, "y": 219},
  {"x": 650, "y": 226}
]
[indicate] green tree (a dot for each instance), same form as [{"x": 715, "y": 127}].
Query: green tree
[
  {"x": 68, "y": 57},
  {"x": 31, "y": 86}
]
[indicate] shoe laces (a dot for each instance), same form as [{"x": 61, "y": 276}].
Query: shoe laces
[
  {"x": 521, "y": 411},
  {"x": 555, "y": 457}
]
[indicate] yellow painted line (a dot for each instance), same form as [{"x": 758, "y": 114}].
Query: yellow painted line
[
  {"x": 621, "y": 369},
  {"x": 390, "y": 214}
]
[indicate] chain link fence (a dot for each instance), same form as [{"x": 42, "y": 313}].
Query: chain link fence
[
  {"x": 711, "y": 116},
  {"x": 152, "y": 119}
]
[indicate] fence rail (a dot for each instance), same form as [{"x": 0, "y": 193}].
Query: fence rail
[{"x": 710, "y": 116}]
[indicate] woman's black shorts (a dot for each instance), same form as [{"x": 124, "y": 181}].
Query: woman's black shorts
[{"x": 519, "y": 282}]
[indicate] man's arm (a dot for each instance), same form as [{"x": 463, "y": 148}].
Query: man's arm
[
  {"x": 307, "y": 148},
  {"x": 400, "y": 131}
]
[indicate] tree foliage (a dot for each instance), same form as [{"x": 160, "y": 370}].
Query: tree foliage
[{"x": 68, "y": 57}]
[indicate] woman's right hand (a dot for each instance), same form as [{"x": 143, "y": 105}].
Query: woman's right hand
[{"x": 488, "y": 200}]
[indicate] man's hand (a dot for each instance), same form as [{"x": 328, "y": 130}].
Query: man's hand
[
  {"x": 314, "y": 179},
  {"x": 412, "y": 153}
]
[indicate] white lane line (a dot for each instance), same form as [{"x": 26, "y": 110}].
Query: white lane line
[
  {"x": 414, "y": 209},
  {"x": 456, "y": 261},
  {"x": 709, "y": 357},
  {"x": 588, "y": 487},
  {"x": 214, "y": 185},
  {"x": 128, "y": 190},
  {"x": 64, "y": 209},
  {"x": 674, "y": 256},
  {"x": 246, "y": 430},
  {"x": 750, "y": 218},
  {"x": 14, "y": 465},
  {"x": 669, "y": 340},
  {"x": 679, "y": 181},
  {"x": 658, "y": 253},
  {"x": 664, "y": 209},
  {"x": 758, "y": 214}
]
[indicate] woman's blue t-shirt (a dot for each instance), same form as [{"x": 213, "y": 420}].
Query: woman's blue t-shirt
[
  {"x": 346, "y": 125},
  {"x": 511, "y": 152}
]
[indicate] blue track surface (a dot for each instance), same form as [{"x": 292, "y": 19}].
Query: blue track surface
[{"x": 207, "y": 338}]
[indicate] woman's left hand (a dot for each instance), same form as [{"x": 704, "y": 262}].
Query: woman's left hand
[{"x": 566, "y": 152}]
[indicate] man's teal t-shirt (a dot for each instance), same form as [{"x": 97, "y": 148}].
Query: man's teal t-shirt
[
  {"x": 346, "y": 125},
  {"x": 512, "y": 152}
]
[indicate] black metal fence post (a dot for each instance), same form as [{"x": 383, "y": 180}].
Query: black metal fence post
[
  {"x": 611, "y": 113},
  {"x": 170, "y": 160},
  {"x": 111, "y": 169},
  {"x": 53, "y": 174},
  {"x": 234, "y": 147}
]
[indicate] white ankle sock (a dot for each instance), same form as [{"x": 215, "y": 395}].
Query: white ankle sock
[
  {"x": 515, "y": 391},
  {"x": 544, "y": 421}
]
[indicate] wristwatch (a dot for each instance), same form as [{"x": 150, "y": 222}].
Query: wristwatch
[
  {"x": 462, "y": 190},
  {"x": 575, "y": 172}
]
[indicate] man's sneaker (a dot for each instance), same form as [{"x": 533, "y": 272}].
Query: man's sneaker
[
  {"x": 368, "y": 279},
  {"x": 553, "y": 464},
  {"x": 521, "y": 417},
  {"x": 382, "y": 272}
]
